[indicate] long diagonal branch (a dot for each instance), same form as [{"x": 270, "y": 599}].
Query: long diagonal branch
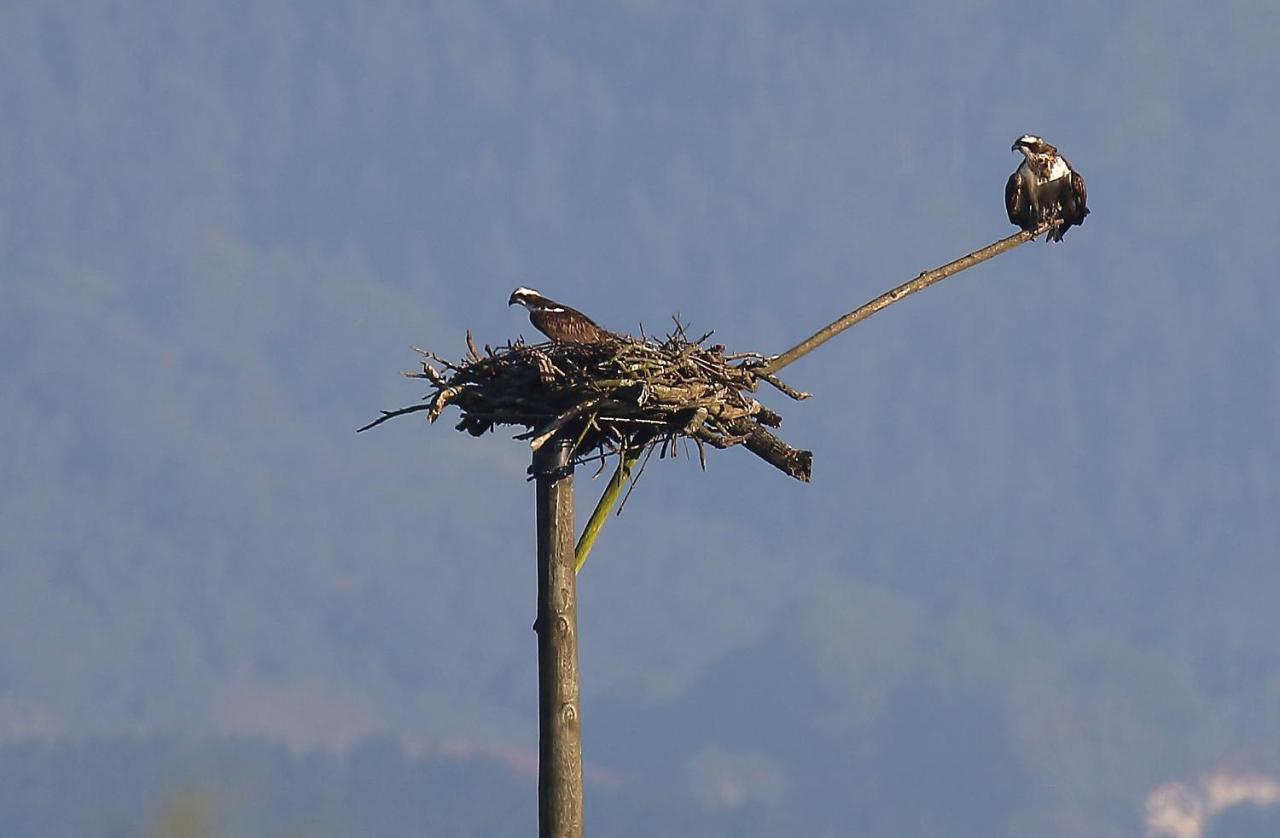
[
  {"x": 765, "y": 372},
  {"x": 888, "y": 298}
]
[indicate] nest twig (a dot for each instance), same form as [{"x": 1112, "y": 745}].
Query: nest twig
[{"x": 612, "y": 397}]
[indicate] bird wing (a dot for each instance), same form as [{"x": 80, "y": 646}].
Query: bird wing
[
  {"x": 1082, "y": 195},
  {"x": 1016, "y": 203},
  {"x": 568, "y": 325}
]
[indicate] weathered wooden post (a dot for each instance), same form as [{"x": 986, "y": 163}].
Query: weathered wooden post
[{"x": 559, "y": 731}]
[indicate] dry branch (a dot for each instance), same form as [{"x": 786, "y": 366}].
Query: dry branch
[{"x": 888, "y": 298}]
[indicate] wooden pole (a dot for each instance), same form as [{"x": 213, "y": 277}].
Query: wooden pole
[{"x": 559, "y": 731}]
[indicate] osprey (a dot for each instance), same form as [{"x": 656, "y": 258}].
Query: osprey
[
  {"x": 558, "y": 322},
  {"x": 1044, "y": 188}
]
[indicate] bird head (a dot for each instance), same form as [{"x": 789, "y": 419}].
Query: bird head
[
  {"x": 523, "y": 296},
  {"x": 1028, "y": 144}
]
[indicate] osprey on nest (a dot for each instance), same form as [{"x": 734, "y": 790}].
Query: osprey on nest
[
  {"x": 559, "y": 322},
  {"x": 1044, "y": 188}
]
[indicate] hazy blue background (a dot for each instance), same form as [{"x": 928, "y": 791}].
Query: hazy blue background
[{"x": 1034, "y": 579}]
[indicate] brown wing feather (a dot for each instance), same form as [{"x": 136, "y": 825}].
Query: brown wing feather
[
  {"x": 1072, "y": 208},
  {"x": 1017, "y": 203},
  {"x": 568, "y": 326},
  {"x": 1082, "y": 195}
]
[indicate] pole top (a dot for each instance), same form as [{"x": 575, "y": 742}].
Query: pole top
[{"x": 552, "y": 460}]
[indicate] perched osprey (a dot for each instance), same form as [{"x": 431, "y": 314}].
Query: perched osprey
[
  {"x": 1044, "y": 188},
  {"x": 558, "y": 322}
]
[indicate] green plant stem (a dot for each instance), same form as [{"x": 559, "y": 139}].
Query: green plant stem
[{"x": 604, "y": 506}]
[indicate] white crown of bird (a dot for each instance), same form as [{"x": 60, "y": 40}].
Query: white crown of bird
[{"x": 522, "y": 295}]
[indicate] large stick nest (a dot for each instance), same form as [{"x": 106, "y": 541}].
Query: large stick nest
[{"x": 612, "y": 397}]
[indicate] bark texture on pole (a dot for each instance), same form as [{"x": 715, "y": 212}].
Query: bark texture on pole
[{"x": 559, "y": 731}]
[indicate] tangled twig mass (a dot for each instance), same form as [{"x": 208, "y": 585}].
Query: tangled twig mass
[{"x": 616, "y": 397}]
